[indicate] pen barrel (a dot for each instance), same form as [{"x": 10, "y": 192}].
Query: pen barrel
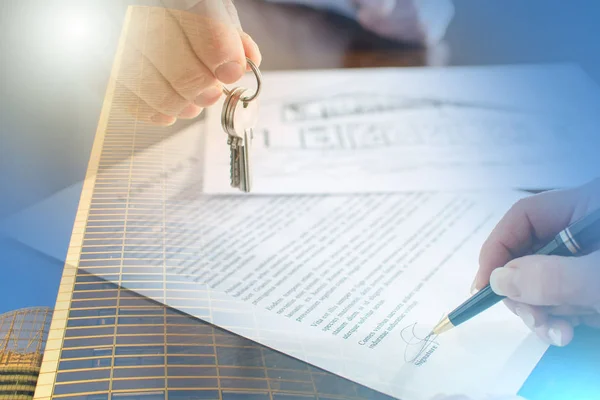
[
  {"x": 559, "y": 246},
  {"x": 584, "y": 234},
  {"x": 478, "y": 303}
]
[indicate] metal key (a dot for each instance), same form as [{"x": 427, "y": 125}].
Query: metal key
[{"x": 237, "y": 119}]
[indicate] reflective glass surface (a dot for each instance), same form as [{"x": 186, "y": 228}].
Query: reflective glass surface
[{"x": 119, "y": 344}]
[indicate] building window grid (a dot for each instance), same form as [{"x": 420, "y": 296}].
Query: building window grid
[
  {"x": 266, "y": 377},
  {"x": 107, "y": 207},
  {"x": 217, "y": 376},
  {"x": 214, "y": 335}
]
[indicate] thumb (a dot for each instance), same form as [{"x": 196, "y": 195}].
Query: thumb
[{"x": 550, "y": 280}]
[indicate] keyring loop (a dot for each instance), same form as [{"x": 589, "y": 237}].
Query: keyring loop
[{"x": 257, "y": 74}]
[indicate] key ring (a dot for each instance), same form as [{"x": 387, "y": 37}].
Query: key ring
[{"x": 247, "y": 99}]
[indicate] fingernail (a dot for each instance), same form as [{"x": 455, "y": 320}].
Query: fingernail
[
  {"x": 526, "y": 316},
  {"x": 502, "y": 282},
  {"x": 191, "y": 111},
  {"x": 162, "y": 119},
  {"x": 555, "y": 336},
  {"x": 209, "y": 96},
  {"x": 229, "y": 72},
  {"x": 474, "y": 289},
  {"x": 256, "y": 50}
]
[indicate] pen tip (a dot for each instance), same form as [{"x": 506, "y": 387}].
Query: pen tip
[{"x": 443, "y": 326}]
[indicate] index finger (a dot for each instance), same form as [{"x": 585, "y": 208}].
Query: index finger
[{"x": 530, "y": 221}]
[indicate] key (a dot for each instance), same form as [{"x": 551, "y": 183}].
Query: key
[{"x": 237, "y": 119}]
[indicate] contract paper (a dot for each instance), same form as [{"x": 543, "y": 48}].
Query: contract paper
[
  {"x": 350, "y": 284},
  {"x": 354, "y": 285},
  {"x": 391, "y": 130}
]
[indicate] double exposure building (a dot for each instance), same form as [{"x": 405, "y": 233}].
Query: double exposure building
[
  {"x": 22, "y": 339},
  {"x": 112, "y": 337}
]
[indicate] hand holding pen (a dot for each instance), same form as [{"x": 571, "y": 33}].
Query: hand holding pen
[{"x": 551, "y": 293}]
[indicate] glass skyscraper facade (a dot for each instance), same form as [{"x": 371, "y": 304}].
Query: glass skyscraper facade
[
  {"x": 111, "y": 335},
  {"x": 119, "y": 345},
  {"x": 22, "y": 339}
]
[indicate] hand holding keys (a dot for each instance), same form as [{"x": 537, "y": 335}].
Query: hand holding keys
[{"x": 238, "y": 117}]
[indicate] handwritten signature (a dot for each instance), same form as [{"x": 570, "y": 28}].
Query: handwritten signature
[{"x": 417, "y": 343}]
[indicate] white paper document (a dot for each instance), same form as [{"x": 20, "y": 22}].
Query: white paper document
[
  {"x": 350, "y": 284},
  {"x": 391, "y": 130}
]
